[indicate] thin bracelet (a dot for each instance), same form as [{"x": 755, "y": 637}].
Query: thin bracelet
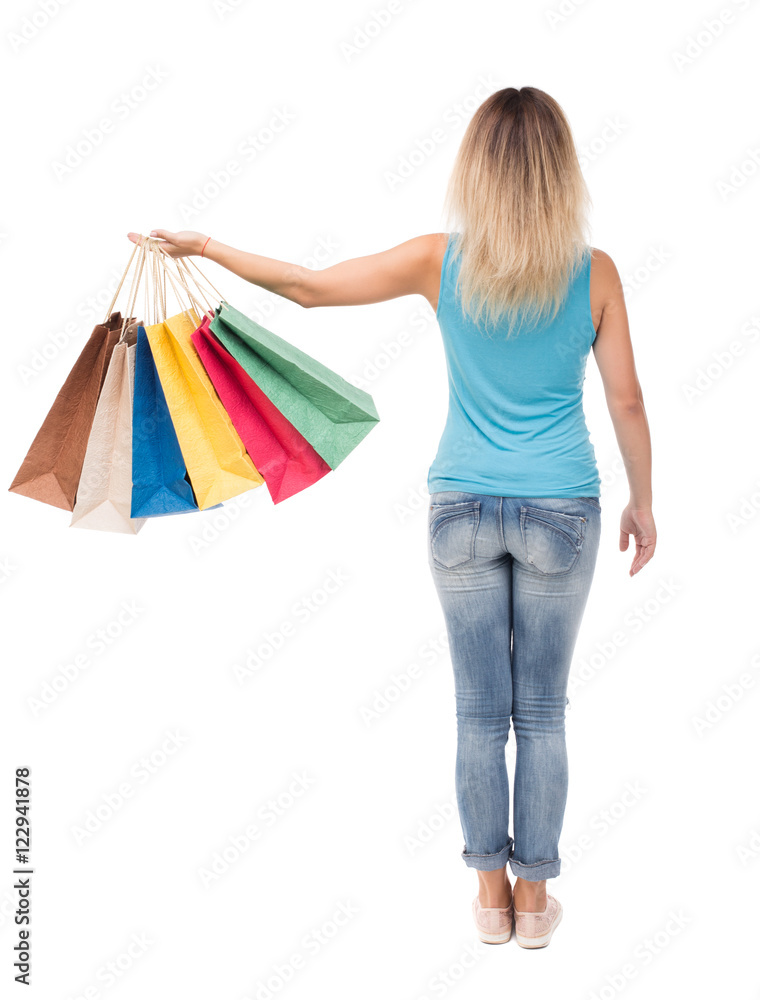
[{"x": 205, "y": 245}]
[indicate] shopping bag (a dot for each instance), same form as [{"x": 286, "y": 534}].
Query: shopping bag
[
  {"x": 159, "y": 482},
  {"x": 104, "y": 497},
  {"x": 53, "y": 465},
  {"x": 333, "y": 415},
  {"x": 281, "y": 453},
  {"x": 216, "y": 460}
]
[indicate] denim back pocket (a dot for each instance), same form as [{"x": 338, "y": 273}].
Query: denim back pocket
[
  {"x": 452, "y": 529},
  {"x": 552, "y": 539}
]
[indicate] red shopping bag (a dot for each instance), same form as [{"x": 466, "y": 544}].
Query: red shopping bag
[{"x": 282, "y": 454}]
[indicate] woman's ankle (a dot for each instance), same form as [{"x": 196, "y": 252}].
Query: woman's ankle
[
  {"x": 494, "y": 891},
  {"x": 529, "y": 896}
]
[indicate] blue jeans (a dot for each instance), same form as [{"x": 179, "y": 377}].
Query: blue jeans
[{"x": 513, "y": 575}]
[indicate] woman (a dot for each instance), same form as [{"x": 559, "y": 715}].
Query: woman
[{"x": 514, "y": 516}]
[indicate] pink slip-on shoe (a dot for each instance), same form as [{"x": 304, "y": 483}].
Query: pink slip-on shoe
[
  {"x": 493, "y": 923},
  {"x": 534, "y": 930}
]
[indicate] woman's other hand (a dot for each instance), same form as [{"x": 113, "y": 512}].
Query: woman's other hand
[
  {"x": 184, "y": 244},
  {"x": 638, "y": 521}
]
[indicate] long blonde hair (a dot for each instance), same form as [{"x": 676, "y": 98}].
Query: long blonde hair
[{"x": 518, "y": 199}]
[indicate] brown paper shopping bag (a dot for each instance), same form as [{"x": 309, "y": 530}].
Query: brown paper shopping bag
[{"x": 52, "y": 467}]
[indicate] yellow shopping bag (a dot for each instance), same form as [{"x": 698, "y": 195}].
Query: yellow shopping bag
[{"x": 218, "y": 465}]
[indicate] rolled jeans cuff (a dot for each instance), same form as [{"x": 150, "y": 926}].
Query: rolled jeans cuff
[
  {"x": 488, "y": 862},
  {"x": 537, "y": 872}
]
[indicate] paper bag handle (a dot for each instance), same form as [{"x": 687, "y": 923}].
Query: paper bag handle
[{"x": 162, "y": 257}]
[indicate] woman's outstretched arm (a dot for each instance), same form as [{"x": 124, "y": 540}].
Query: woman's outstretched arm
[{"x": 405, "y": 269}]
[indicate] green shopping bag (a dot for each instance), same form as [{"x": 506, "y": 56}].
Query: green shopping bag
[{"x": 333, "y": 415}]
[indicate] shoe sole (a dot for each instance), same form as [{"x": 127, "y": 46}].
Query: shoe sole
[
  {"x": 495, "y": 938},
  {"x": 544, "y": 939}
]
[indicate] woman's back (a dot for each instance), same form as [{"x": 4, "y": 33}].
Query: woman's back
[{"x": 515, "y": 424}]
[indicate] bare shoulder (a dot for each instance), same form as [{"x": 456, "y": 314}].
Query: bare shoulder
[
  {"x": 606, "y": 291},
  {"x": 427, "y": 245},
  {"x": 430, "y": 246},
  {"x": 423, "y": 259},
  {"x": 437, "y": 242},
  {"x": 422, "y": 253},
  {"x": 604, "y": 273}
]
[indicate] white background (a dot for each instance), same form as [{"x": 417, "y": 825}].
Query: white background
[{"x": 675, "y": 188}]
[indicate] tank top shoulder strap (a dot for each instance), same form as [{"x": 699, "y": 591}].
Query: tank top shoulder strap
[
  {"x": 447, "y": 255},
  {"x": 445, "y": 269},
  {"x": 580, "y": 288}
]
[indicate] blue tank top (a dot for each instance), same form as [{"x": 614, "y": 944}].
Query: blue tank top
[{"x": 515, "y": 424}]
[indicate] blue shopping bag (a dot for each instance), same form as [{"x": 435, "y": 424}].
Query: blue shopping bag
[{"x": 159, "y": 477}]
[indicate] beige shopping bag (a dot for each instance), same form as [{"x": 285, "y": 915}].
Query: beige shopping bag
[{"x": 104, "y": 497}]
